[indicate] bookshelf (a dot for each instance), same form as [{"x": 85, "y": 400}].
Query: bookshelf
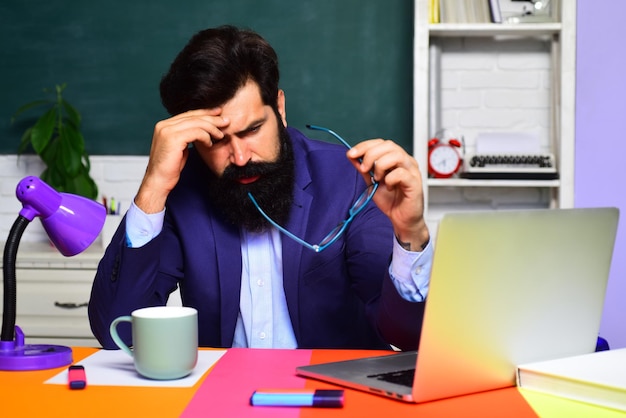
[{"x": 552, "y": 44}]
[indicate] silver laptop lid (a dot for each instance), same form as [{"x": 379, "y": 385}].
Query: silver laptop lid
[{"x": 508, "y": 288}]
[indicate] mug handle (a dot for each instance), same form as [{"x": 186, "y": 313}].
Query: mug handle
[{"x": 116, "y": 338}]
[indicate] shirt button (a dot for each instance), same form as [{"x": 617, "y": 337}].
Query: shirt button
[
  {"x": 418, "y": 270},
  {"x": 260, "y": 282},
  {"x": 262, "y": 335}
]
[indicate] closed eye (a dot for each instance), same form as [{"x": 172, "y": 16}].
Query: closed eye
[{"x": 250, "y": 131}]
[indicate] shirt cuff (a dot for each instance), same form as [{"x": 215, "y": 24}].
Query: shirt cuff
[
  {"x": 141, "y": 227},
  {"x": 410, "y": 271}
]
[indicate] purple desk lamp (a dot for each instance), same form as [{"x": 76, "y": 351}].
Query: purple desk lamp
[{"x": 72, "y": 223}]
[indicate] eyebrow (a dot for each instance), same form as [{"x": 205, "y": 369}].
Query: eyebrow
[{"x": 255, "y": 123}]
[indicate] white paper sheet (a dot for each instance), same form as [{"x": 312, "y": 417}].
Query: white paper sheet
[
  {"x": 115, "y": 368},
  {"x": 504, "y": 143}
]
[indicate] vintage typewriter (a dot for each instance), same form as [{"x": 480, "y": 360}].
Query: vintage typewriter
[{"x": 510, "y": 167}]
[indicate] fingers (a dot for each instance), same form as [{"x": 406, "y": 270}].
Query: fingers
[
  {"x": 389, "y": 162},
  {"x": 196, "y": 125},
  {"x": 172, "y": 137}
]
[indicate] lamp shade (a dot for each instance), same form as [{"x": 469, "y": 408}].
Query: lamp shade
[{"x": 72, "y": 222}]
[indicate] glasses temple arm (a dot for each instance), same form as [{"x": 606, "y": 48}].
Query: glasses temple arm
[
  {"x": 300, "y": 241},
  {"x": 333, "y": 133}
]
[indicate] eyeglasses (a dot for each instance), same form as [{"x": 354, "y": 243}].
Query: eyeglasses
[{"x": 336, "y": 232}]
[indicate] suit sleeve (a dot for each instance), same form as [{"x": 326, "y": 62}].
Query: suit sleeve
[
  {"x": 126, "y": 279},
  {"x": 396, "y": 320}
]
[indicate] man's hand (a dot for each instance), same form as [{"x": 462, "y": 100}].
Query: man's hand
[
  {"x": 169, "y": 152},
  {"x": 400, "y": 194}
]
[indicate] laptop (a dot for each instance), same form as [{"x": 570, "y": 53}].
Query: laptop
[{"x": 507, "y": 288}]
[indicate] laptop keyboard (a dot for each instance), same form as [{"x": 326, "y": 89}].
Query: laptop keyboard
[{"x": 400, "y": 377}]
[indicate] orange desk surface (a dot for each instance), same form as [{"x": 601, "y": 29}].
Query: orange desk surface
[{"x": 24, "y": 394}]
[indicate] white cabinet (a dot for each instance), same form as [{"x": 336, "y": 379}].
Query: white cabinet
[{"x": 440, "y": 52}]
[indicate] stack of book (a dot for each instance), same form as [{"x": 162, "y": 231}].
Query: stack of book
[
  {"x": 596, "y": 378},
  {"x": 465, "y": 11}
]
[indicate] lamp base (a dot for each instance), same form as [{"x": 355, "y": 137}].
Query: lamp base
[{"x": 15, "y": 355}]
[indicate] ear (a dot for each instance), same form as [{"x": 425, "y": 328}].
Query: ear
[{"x": 280, "y": 100}]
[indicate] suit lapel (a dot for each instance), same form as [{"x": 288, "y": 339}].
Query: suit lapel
[
  {"x": 297, "y": 224},
  {"x": 228, "y": 247},
  {"x": 292, "y": 253}
]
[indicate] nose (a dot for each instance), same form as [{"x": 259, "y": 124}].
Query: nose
[{"x": 239, "y": 154}]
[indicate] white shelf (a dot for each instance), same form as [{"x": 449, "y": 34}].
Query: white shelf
[
  {"x": 42, "y": 255},
  {"x": 430, "y": 41},
  {"x": 493, "y": 29},
  {"x": 492, "y": 183}
]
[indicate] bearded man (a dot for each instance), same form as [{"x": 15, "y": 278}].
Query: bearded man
[{"x": 278, "y": 240}]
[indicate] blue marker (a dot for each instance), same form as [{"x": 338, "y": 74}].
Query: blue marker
[{"x": 319, "y": 398}]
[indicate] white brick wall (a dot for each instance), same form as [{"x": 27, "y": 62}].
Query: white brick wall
[
  {"x": 116, "y": 176},
  {"x": 495, "y": 85}
]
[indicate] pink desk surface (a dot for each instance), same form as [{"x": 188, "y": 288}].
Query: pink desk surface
[{"x": 227, "y": 389}]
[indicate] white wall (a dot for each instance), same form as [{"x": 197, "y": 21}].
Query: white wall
[
  {"x": 495, "y": 85},
  {"x": 600, "y": 145}
]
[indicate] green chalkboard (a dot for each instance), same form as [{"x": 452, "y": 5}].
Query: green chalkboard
[{"x": 345, "y": 64}]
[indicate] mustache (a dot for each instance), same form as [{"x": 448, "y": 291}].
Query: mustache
[{"x": 251, "y": 169}]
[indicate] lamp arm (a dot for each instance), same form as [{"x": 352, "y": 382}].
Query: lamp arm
[{"x": 10, "y": 283}]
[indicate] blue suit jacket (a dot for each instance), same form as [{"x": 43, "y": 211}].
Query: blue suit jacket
[{"x": 341, "y": 297}]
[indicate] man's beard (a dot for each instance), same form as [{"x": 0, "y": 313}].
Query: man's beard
[{"x": 273, "y": 190}]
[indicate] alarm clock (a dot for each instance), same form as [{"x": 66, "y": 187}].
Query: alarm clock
[{"x": 444, "y": 159}]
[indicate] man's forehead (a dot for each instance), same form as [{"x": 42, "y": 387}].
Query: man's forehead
[{"x": 244, "y": 108}]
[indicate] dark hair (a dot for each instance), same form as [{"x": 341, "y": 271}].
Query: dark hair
[{"x": 214, "y": 65}]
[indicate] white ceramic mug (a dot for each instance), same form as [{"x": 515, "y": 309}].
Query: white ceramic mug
[{"x": 165, "y": 341}]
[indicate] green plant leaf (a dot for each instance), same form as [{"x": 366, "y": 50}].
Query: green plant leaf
[
  {"x": 50, "y": 154},
  {"x": 74, "y": 138},
  {"x": 84, "y": 185},
  {"x": 69, "y": 155},
  {"x": 51, "y": 176},
  {"x": 59, "y": 89},
  {"x": 72, "y": 114},
  {"x": 43, "y": 130},
  {"x": 28, "y": 106}
]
